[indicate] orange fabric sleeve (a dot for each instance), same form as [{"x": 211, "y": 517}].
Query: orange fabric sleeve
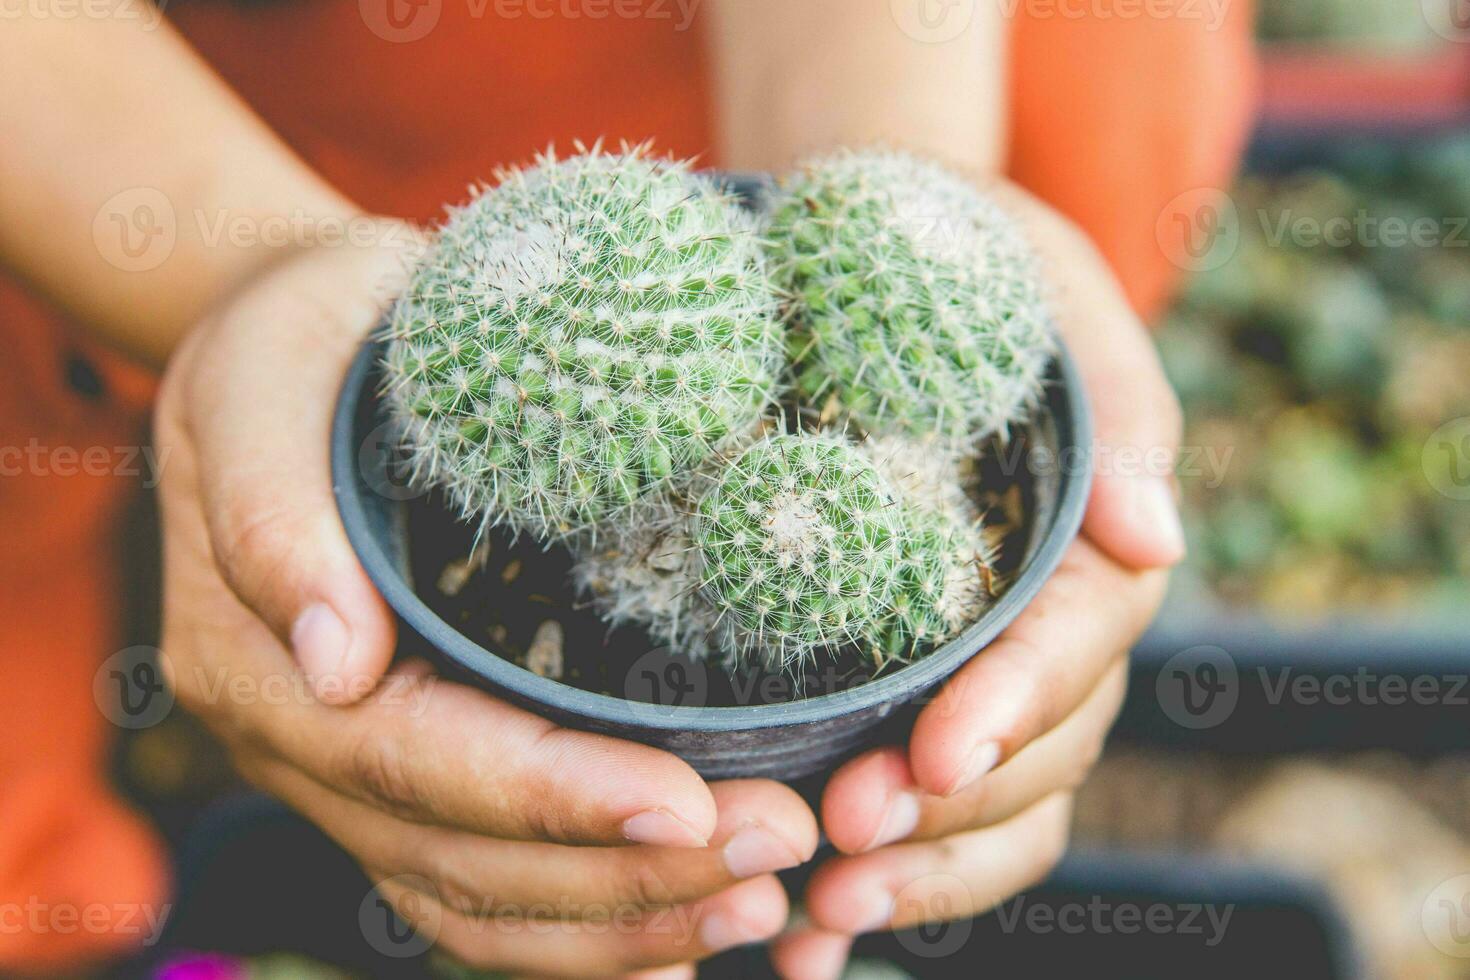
[{"x": 1119, "y": 107}]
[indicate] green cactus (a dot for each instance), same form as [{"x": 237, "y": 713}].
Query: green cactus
[
  {"x": 944, "y": 579},
  {"x": 914, "y": 300},
  {"x": 583, "y": 334},
  {"x": 800, "y": 544},
  {"x": 780, "y": 556}
]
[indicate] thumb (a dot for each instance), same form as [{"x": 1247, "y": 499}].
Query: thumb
[
  {"x": 1132, "y": 513},
  {"x": 261, "y": 383}
]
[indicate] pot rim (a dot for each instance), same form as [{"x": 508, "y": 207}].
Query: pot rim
[{"x": 1074, "y": 428}]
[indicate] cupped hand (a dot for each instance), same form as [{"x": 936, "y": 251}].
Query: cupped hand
[
  {"x": 977, "y": 807},
  {"x": 276, "y": 638}
]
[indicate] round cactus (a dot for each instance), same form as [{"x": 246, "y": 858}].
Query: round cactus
[
  {"x": 944, "y": 579},
  {"x": 914, "y": 300},
  {"x": 588, "y": 330},
  {"x": 736, "y": 568},
  {"x": 800, "y": 544}
]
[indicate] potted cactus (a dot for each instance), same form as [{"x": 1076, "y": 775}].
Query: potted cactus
[{"x": 749, "y": 438}]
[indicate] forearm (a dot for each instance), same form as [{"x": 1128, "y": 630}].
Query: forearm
[
  {"x": 117, "y": 136},
  {"x": 794, "y": 77}
]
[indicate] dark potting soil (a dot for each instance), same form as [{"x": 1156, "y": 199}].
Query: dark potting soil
[{"x": 515, "y": 599}]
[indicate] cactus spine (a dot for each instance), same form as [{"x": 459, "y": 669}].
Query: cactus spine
[
  {"x": 913, "y": 298},
  {"x": 582, "y": 334}
]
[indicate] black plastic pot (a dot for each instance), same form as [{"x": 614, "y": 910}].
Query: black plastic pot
[{"x": 784, "y": 740}]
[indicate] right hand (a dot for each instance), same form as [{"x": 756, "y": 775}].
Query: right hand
[{"x": 498, "y": 810}]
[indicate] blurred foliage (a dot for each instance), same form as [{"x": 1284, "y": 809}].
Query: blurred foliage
[
  {"x": 1380, "y": 26},
  {"x": 1313, "y": 365}
]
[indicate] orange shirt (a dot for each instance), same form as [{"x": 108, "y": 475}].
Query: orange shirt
[{"x": 402, "y": 103}]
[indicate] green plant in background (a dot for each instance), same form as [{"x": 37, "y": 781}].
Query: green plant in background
[
  {"x": 581, "y": 334},
  {"x": 1374, "y": 25},
  {"x": 914, "y": 301},
  {"x": 1314, "y": 373}
]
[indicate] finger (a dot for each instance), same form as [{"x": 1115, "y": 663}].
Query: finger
[
  {"x": 441, "y": 753},
  {"x": 1036, "y": 673},
  {"x": 1132, "y": 513},
  {"x": 874, "y": 801},
  {"x": 957, "y": 877},
  {"x": 261, "y": 436},
  {"x": 807, "y": 953},
  {"x": 764, "y": 827},
  {"x": 749, "y": 912}
]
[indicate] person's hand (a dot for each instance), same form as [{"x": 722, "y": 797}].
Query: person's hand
[
  {"x": 978, "y": 806},
  {"x": 482, "y": 817}
]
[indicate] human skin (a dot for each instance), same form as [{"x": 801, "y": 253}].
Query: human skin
[{"x": 454, "y": 799}]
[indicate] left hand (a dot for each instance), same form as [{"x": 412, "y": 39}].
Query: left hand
[{"x": 978, "y": 807}]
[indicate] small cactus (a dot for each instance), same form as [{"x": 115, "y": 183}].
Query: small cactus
[
  {"x": 914, "y": 300},
  {"x": 944, "y": 580},
  {"x": 800, "y": 543},
  {"x": 805, "y": 543},
  {"x": 583, "y": 333}
]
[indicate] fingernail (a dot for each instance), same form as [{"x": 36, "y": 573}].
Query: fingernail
[
  {"x": 754, "y": 850},
  {"x": 1159, "y": 512},
  {"x": 982, "y": 759},
  {"x": 320, "y": 640},
  {"x": 899, "y": 820},
  {"x": 660, "y": 828},
  {"x": 871, "y": 911},
  {"x": 718, "y": 932}
]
